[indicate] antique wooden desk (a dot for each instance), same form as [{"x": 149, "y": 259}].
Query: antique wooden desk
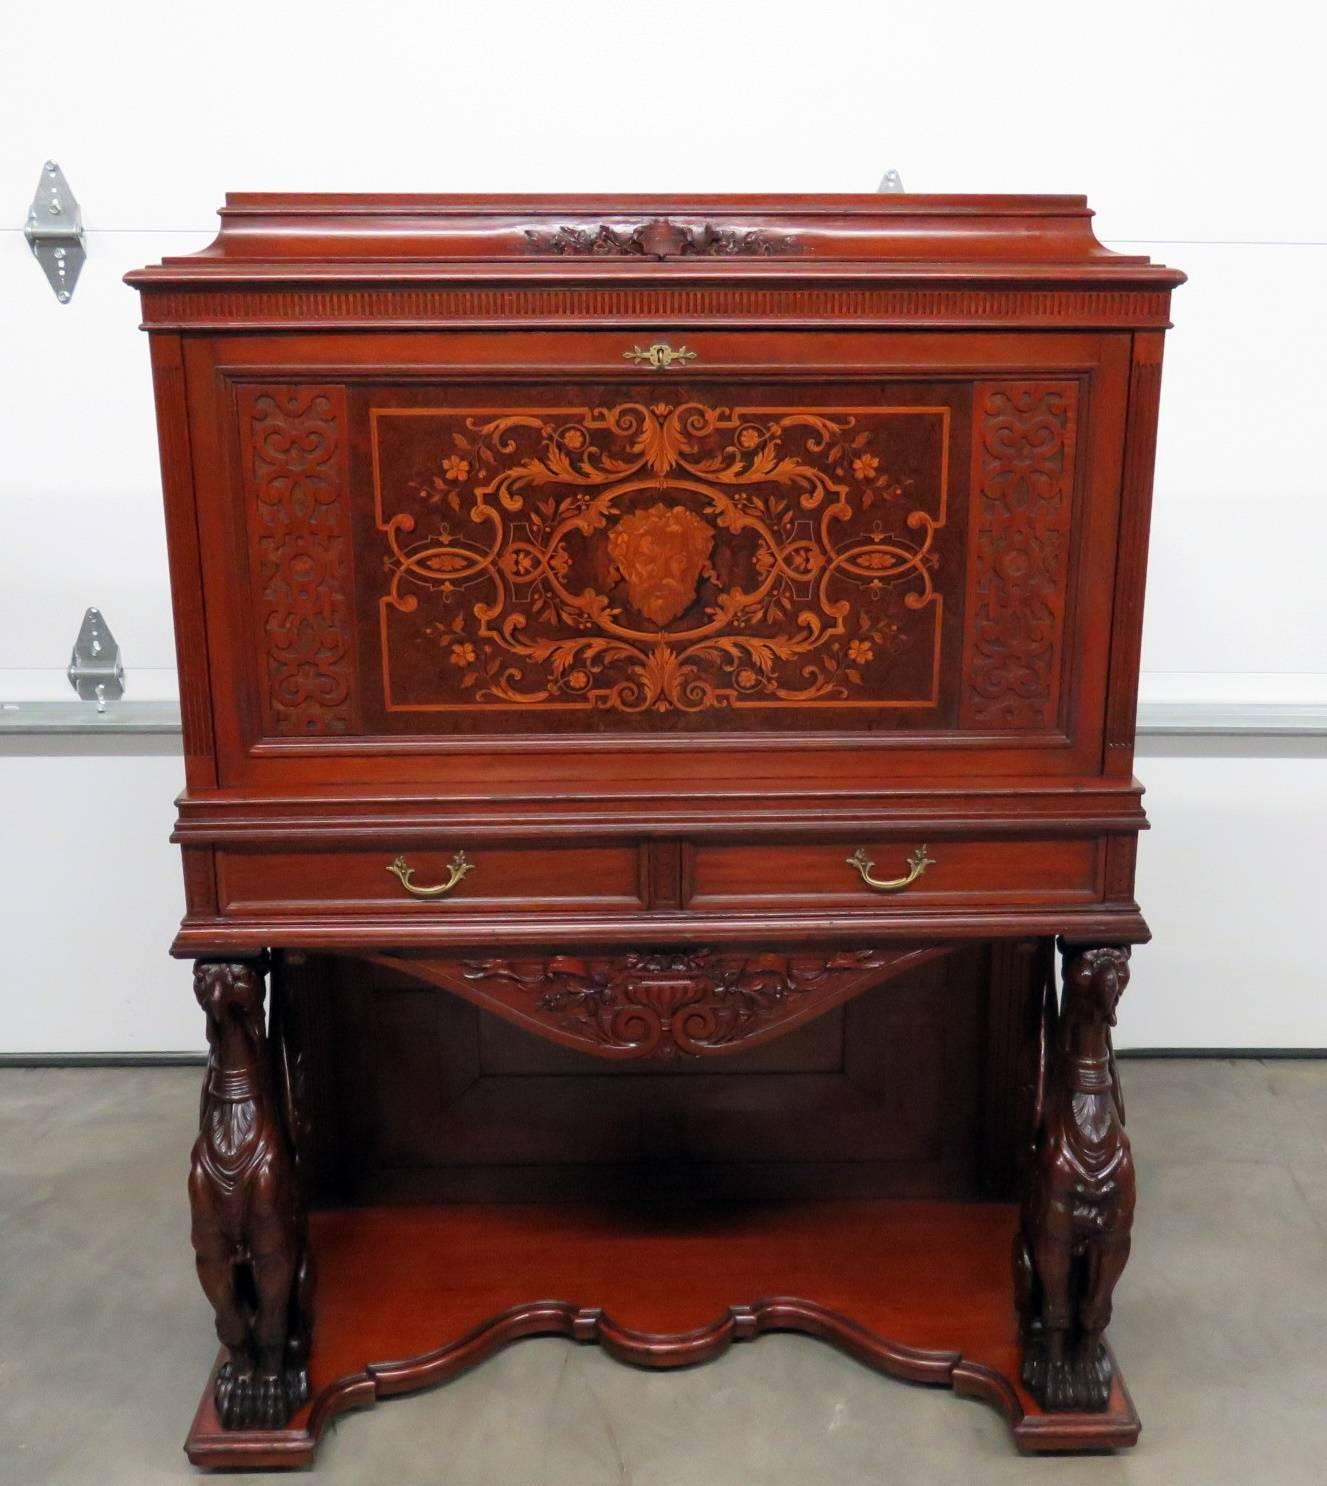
[{"x": 658, "y": 678}]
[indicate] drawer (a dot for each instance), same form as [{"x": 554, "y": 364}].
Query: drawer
[
  {"x": 952, "y": 872},
  {"x": 399, "y": 877}
]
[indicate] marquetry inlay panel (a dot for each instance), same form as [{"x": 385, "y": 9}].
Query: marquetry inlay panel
[{"x": 663, "y": 561}]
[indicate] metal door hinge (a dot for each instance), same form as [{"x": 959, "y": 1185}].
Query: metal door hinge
[
  {"x": 55, "y": 231},
  {"x": 95, "y": 670}
]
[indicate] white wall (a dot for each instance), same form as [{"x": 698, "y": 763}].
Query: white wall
[
  {"x": 1230, "y": 878},
  {"x": 1194, "y": 128},
  {"x": 92, "y": 897}
]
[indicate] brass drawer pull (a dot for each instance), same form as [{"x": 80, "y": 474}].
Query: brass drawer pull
[
  {"x": 458, "y": 868},
  {"x": 659, "y": 356},
  {"x": 917, "y": 864}
]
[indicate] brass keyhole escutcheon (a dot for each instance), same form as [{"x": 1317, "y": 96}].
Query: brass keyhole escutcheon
[
  {"x": 458, "y": 867},
  {"x": 658, "y": 356},
  {"x": 917, "y": 864}
]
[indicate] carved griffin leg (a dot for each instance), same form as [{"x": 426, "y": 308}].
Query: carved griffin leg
[
  {"x": 248, "y": 1230},
  {"x": 1078, "y": 1212}
]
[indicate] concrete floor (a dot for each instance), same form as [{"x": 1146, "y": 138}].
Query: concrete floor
[{"x": 1221, "y": 1325}]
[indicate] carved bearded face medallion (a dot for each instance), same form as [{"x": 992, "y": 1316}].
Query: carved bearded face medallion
[{"x": 661, "y": 553}]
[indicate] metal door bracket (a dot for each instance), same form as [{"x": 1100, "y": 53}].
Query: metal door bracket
[
  {"x": 55, "y": 231},
  {"x": 890, "y": 183},
  {"x": 95, "y": 670}
]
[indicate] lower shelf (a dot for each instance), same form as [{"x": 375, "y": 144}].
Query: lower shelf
[{"x": 919, "y": 1290}]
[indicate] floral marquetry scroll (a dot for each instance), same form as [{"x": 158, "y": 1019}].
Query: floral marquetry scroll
[
  {"x": 1022, "y": 499},
  {"x": 292, "y": 448},
  {"x": 662, "y": 561}
]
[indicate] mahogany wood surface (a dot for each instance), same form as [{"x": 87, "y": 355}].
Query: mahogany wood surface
[
  {"x": 918, "y": 1290},
  {"x": 911, "y": 1089},
  {"x": 665, "y": 624}
]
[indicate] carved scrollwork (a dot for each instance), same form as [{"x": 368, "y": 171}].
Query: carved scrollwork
[
  {"x": 677, "y": 1003},
  {"x": 301, "y": 538},
  {"x": 584, "y": 242},
  {"x": 732, "y": 242},
  {"x": 668, "y": 558},
  {"x": 659, "y": 239},
  {"x": 1021, "y": 521}
]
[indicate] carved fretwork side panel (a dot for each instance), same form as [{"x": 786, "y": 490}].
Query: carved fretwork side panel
[
  {"x": 1024, "y": 436},
  {"x": 665, "y": 562},
  {"x": 292, "y": 448}
]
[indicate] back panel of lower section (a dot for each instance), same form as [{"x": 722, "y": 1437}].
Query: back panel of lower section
[{"x": 915, "y": 1089}]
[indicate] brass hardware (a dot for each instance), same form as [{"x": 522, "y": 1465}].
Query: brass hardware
[
  {"x": 458, "y": 867},
  {"x": 659, "y": 355},
  {"x": 917, "y": 864}
]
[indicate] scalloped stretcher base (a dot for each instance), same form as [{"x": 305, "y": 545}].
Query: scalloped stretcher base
[{"x": 918, "y": 1290}]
